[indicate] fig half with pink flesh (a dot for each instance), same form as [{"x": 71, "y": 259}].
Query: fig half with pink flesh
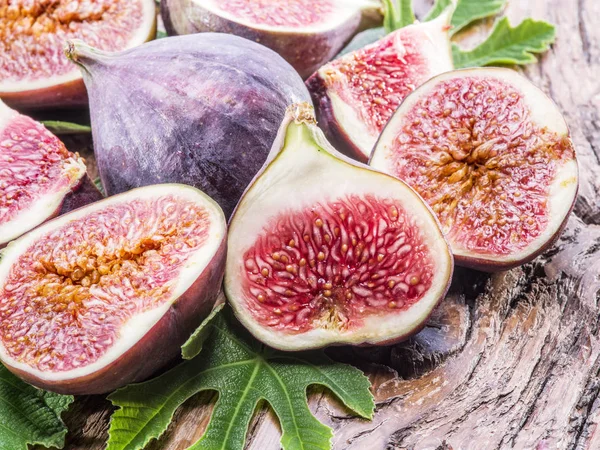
[
  {"x": 355, "y": 95},
  {"x": 34, "y": 73},
  {"x": 306, "y": 33},
  {"x": 492, "y": 155},
  {"x": 39, "y": 177},
  {"x": 324, "y": 250},
  {"x": 106, "y": 295}
]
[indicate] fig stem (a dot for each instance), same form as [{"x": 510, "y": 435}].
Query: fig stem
[{"x": 79, "y": 53}]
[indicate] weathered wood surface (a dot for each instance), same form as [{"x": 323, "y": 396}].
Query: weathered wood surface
[{"x": 509, "y": 360}]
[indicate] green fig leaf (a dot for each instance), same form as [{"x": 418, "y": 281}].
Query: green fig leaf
[
  {"x": 244, "y": 373},
  {"x": 467, "y": 11},
  {"x": 508, "y": 45},
  {"x": 397, "y": 14},
  {"x": 195, "y": 343},
  {"x": 29, "y": 416}
]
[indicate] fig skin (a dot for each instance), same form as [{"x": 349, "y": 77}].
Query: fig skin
[
  {"x": 71, "y": 94},
  {"x": 215, "y": 138},
  {"x": 68, "y": 94},
  {"x": 305, "y": 51},
  {"x": 329, "y": 123},
  {"x": 158, "y": 347}
]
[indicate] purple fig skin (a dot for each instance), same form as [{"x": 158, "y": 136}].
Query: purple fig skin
[
  {"x": 63, "y": 96},
  {"x": 327, "y": 121},
  {"x": 306, "y": 52},
  {"x": 202, "y": 110},
  {"x": 161, "y": 344},
  {"x": 83, "y": 195}
]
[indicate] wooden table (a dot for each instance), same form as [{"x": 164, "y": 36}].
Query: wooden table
[{"x": 509, "y": 360}]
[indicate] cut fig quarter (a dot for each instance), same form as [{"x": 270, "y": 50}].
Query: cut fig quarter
[
  {"x": 39, "y": 177},
  {"x": 324, "y": 250},
  {"x": 355, "y": 95},
  {"x": 306, "y": 33},
  {"x": 34, "y": 74},
  {"x": 492, "y": 155},
  {"x": 106, "y": 295}
]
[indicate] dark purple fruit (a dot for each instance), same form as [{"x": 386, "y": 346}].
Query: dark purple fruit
[{"x": 201, "y": 110}]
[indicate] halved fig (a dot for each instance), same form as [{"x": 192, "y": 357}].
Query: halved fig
[
  {"x": 492, "y": 156},
  {"x": 355, "y": 95},
  {"x": 34, "y": 73},
  {"x": 39, "y": 177},
  {"x": 324, "y": 250},
  {"x": 307, "y": 33},
  {"x": 106, "y": 295}
]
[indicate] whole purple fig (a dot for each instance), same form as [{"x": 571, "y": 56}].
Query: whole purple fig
[{"x": 202, "y": 110}]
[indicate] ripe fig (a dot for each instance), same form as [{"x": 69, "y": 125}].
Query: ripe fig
[
  {"x": 355, "y": 95},
  {"x": 492, "y": 156},
  {"x": 106, "y": 295},
  {"x": 202, "y": 110},
  {"x": 307, "y": 33},
  {"x": 33, "y": 71},
  {"x": 324, "y": 250},
  {"x": 39, "y": 177}
]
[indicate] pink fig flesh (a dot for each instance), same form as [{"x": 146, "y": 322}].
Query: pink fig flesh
[
  {"x": 39, "y": 177},
  {"x": 34, "y": 73},
  {"x": 492, "y": 156},
  {"x": 85, "y": 298},
  {"x": 325, "y": 251},
  {"x": 355, "y": 95}
]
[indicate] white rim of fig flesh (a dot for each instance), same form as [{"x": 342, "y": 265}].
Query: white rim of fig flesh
[
  {"x": 544, "y": 115},
  {"x": 435, "y": 48},
  {"x": 132, "y": 331},
  {"x": 47, "y": 205},
  {"x": 303, "y": 170},
  {"x": 142, "y": 35},
  {"x": 341, "y": 12}
]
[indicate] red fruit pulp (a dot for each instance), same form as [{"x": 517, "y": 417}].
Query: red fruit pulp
[
  {"x": 66, "y": 298},
  {"x": 336, "y": 263},
  {"x": 33, "y": 163},
  {"x": 290, "y": 13},
  {"x": 471, "y": 145},
  {"x": 379, "y": 77},
  {"x": 33, "y": 33}
]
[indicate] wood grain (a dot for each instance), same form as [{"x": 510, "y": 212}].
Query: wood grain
[{"x": 509, "y": 360}]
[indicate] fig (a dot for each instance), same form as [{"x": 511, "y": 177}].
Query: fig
[
  {"x": 39, "y": 177},
  {"x": 33, "y": 71},
  {"x": 491, "y": 154},
  {"x": 106, "y": 295},
  {"x": 324, "y": 250},
  {"x": 201, "y": 109},
  {"x": 355, "y": 95},
  {"x": 307, "y": 33}
]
